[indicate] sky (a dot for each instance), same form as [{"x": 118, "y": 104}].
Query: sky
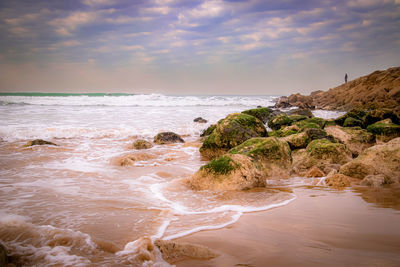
[{"x": 270, "y": 47}]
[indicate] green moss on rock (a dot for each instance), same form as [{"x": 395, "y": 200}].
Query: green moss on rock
[
  {"x": 263, "y": 114},
  {"x": 278, "y": 121},
  {"x": 208, "y": 131},
  {"x": 221, "y": 165},
  {"x": 352, "y": 122},
  {"x": 354, "y": 113},
  {"x": 380, "y": 128}
]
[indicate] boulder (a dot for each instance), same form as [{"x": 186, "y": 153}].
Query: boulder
[
  {"x": 39, "y": 142},
  {"x": 228, "y": 172},
  {"x": 167, "y": 138},
  {"x": 354, "y": 114},
  {"x": 352, "y": 122},
  {"x": 314, "y": 172},
  {"x": 279, "y": 121},
  {"x": 320, "y": 153},
  {"x": 356, "y": 139},
  {"x": 311, "y": 123},
  {"x": 230, "y": 132},
  {"x": 380, "y": 114},
  {"x": 200, "y": 120},
  {"x": 337, "y": 181},
  {"x": 285, "y": 131},
  {"x": 384, "y": 130},
  {"x": 301, "y": 111},
  {"x": 283, "y": 102},
  {"x": 270, "y": 154},
  {"x": 141, "y": 144},
  {"x": 297, "y": 141},
  {"x": 301, "y": 101},
  {"x": 374, "y": 180},
  {"x": 379, "y": 159},
  {"x": 263, "y": 114}
]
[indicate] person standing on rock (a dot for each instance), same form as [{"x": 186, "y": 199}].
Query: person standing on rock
[{"x": 345, "y": 78}]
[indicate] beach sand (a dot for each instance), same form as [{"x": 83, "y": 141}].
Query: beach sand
[{"x": 322, "y": 227}]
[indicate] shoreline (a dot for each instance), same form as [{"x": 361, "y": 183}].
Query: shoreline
[{"x": 321, "y": 227}]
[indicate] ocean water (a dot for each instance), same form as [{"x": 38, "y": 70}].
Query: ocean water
[{"x": 75, "y": 205}]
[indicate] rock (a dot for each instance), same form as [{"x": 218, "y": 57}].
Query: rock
[
  {"x": 297, "y": 141},
  {"x": 228, "y": 172},
  {"x": 200, "y": 120},
  {"x": 337, "y": 181},
  {"x": 301, "y": 101},
  {"x": 316, "y": 133},
  {"x": 283, "y": 102},
  {"x": 3, "y": 256},
  {"x": 355, "y": 139},
  {"x": 385, "y": 130},
  {"x": 208, "y": 131},
  {"x": 380, "y": 114},
  {"x": 352, "y": 122},
  {"x": 301, "y": 111},
  {"x": 285, "y": 131},
  {"x": 374, "y": 180},
  {"x": 130, "y": 159},
  {"x": 332, "y": 167},
  {"x": 176, "y": 251},
  {"x": 320, "y": 153},
  {"x": 271, "y": 155},
  {"x": 39, "y": 142},
  {"x": 311, "y": 123},
  {"x": 167, "y": 138},
  {"x": 379, "y": 159},
  {"x": 141, "y": 144},
  {"x": 263, "y": 114},
  {"x": 278, "y": 121},
  {"x": 315, "y": 172},
  {"x": 230, "y": 132},
  {"x": 355, "y": 115}
]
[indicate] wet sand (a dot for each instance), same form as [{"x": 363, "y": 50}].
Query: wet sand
[{"x": 322, "y": 227}]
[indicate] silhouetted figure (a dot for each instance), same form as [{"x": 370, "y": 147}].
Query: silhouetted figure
[{"x": 345, "y": 78}]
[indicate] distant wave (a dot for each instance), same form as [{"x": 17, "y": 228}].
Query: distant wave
[{"x": 130, "y": 100}]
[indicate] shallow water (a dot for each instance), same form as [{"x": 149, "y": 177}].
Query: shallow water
[{"x": 73, "y": 204}]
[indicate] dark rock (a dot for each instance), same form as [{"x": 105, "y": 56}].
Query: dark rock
[
  {"x": 141, "y": 144},
  {"x": 39, "y": 142},
  {"x": 200, "y": 120},
  {"x": 352, "y": 122},
  {"x": 167, "y": 138},
  {"x": 301, "y": 111},
  {"x": 263, "y": 114}
]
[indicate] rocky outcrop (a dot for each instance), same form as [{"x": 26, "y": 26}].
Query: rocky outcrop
[
  {"x": 320, "y": 153},
  {"x": 355, "y": 139},
  {"x": 168, "y": 138},
  {"x": 141, "y": 144},
  {"x": 230, "y": 132},
  {"x": 380, "y": 159},
  {"x": 337, "y": 181},
  {"x": 39, "y": 142},
  {"x": 378, "y": 89}
]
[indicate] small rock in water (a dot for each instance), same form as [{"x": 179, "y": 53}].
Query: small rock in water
[
  {"x": 39, "y": 142},
  {"x": 200, "y": 120},
  {"x": 167, "y": 138},
  {"x": 315, "y": 172},
  {"x": 141, "y": 144}
]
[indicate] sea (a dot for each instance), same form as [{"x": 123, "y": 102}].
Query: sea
[{"x": 75, "y": 205}]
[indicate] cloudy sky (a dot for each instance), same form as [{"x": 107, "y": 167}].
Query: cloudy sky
[{"x": 194, "y": 46}]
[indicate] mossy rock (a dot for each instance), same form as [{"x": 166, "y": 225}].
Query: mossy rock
[
  {"x": 382, "y": 128},
  {"x": 380, "y": 114},
  {"x": 279, "y": 121},
  {"x": 263, "y": 114},
  {"x": 311, "y": 123},
  {"x": 354, "y": 113},
  {"x": 230, "y": 132},
  {"x": 301, "y": 111},
  {"x": 209, "y": 130},
  {"x": 39, "y": 142},
  {"x": 228, "y": 172},
  {"x": 168, "y": 138},
  {"x": 286, "y": 131},
  {"x": 269, "y": 154},
  {"x": 141, "y": 144},
  {"x": 296, "y": 141},
  {"x": 352, "y": 122},
  {"x": 296, "y": 117},
  {"x": 320, "y": 153}
]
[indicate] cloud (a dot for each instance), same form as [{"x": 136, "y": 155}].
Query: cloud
[
  {"x": 163, "y": 10},
  {"x": 94, "y": 3},
  {"x": 132, "y": 47}
]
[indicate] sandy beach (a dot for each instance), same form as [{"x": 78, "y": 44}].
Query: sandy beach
[{"x": 321, "y": 227}]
